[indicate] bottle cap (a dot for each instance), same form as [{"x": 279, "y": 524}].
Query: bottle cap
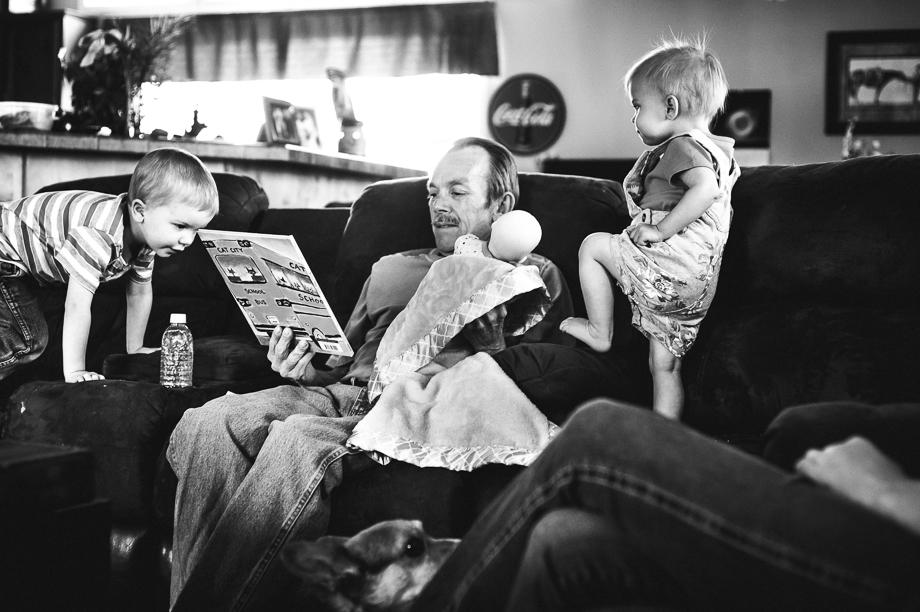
[{"x": 177, "y": 317}]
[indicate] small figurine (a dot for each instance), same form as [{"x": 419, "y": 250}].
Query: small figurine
[
  {"x": 514, "y": 236},
  {"x": 196, "y": 127},
  {"x": 340, "y": 98}
]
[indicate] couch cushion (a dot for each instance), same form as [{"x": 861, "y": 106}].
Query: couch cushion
[
  {"x": 841, "y": 232},
  {"x": 760, "y": 360},
  {"x": 318, "y": 233},
  {"x": 241, "y": 198},
  {"x": 218, "y": 359},
  {"x": 392, "y": 216},
  {"x": 125, "y": 424}
]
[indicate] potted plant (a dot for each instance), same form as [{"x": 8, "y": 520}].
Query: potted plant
[{"x": 109, "y": 66}]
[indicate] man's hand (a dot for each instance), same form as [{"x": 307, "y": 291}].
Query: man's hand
[
  {"x": 82, "y": 376},
  {"x": 291, "y": 363},
  {"x": 644, "y": 234},
  {"x": 486, "y": 334}
]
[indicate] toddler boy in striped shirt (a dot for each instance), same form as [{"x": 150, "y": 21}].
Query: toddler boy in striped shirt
[{"x": 82, "y": 239}]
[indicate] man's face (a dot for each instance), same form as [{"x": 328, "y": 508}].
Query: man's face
[{"x": 458, "y": 200}]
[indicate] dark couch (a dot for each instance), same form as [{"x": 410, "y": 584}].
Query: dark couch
[{"x": 817, "y": 301}]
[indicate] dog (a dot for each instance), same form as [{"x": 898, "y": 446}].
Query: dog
[{"x": 381, "y": 569}]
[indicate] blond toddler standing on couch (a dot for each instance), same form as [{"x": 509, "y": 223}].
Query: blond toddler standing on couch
[
  {"x": 82, "y": 239},
  {"x": 667, "y": 261}
]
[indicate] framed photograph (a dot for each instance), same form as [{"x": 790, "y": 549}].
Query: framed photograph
[
  {"x": 280, "y": 125},
  {"x": 746, "y": 118},
  {"x": 873, "y": 78},
  {"x": 289, "y": 124},
  {"x": 307, "y": 128}
]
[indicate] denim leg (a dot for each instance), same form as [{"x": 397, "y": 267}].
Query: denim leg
[
  {"x": 730, "y": 531},
  {"x": 247, "y": 467},
  {"x": 23, "y": 330},
  {"x": 577, "y": 560}
]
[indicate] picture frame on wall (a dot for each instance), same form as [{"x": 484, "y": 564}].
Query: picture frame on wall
[{"x": 873, "y": 78}]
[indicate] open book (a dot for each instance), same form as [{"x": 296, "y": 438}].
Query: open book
[{"x": 273, "y": 285}]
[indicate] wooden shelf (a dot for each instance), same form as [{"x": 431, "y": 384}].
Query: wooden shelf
[{"x": 292, "y": 176}]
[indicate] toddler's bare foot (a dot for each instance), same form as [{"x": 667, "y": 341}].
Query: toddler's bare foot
[{"x": 583, "y": 330}]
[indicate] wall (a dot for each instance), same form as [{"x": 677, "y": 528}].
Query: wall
[{"x": 585, "y": 47}]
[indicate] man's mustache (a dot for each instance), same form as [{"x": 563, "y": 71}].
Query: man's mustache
[{"x": 445, "y": 219}]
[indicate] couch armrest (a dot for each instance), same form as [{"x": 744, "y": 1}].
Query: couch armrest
[{"x": 125, "y": 425}]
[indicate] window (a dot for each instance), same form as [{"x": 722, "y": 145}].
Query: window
[
  {"x": 149, "y": 7},
  {"x": 408, "y": 121},
  {"x": 418, "y": 72}
]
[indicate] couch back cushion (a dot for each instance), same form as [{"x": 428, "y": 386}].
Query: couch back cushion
[
  {"x": 318, "y": 232},
  {"x": 392, "y": 216},
  {"x": 817, "y": 296},
  {"x": 833, "y": 232}
]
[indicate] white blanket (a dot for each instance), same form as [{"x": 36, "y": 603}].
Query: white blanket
[{"x": 460, "y": 418}]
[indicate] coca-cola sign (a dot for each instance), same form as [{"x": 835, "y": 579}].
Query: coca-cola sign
[{"x": 527, "y": 114}]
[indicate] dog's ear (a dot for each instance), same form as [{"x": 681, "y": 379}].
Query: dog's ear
[{"x": 327, "y": 569}]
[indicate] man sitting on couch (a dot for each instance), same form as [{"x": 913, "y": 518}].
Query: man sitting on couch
[{"x": 256, "y": 470}]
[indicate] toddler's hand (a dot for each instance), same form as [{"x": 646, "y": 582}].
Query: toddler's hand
[
  {"x": 82, "y": 376},
  {"x": 644, "y": 234}
]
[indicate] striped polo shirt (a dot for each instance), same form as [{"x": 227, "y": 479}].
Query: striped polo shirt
[{"x": 70, "y": 235}]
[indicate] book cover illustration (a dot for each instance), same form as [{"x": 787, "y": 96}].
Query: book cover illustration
[{"x": 273, "y": 285}]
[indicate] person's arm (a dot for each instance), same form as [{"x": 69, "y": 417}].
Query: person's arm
[
  {"x": 702, "y": 191},
  {"x": 139, "y": 299},
  {"x": 483, "y": 335},
  {"x": 860, "y": 472},
  {"x": 77, "y": 320}
]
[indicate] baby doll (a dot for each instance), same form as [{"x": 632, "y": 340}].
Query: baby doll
[{"x": 514, "y": 236}]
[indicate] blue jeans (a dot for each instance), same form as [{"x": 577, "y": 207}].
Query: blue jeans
[
  {"x": 254, "y": 470},
  {"x": 693, "y": 519},
  {"x": 575, "y": 560},
  {"x": 23, "y": 330}
]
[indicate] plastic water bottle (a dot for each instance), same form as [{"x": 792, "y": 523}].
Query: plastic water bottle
[{"x": 176, "y": 354}]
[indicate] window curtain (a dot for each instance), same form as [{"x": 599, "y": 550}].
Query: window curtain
[{"x": 383, "y": 41}]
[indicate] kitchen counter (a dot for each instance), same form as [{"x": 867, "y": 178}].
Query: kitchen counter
[{"x": 292, "y": 176}]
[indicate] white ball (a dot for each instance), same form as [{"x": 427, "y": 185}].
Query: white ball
[{"x": 514, "y": 235}]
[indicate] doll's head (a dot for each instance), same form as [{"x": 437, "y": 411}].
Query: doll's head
[{"x": 514, "y": 235}]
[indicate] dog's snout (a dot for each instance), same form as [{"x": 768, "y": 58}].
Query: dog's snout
[{"x": 415, "y": 547}]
